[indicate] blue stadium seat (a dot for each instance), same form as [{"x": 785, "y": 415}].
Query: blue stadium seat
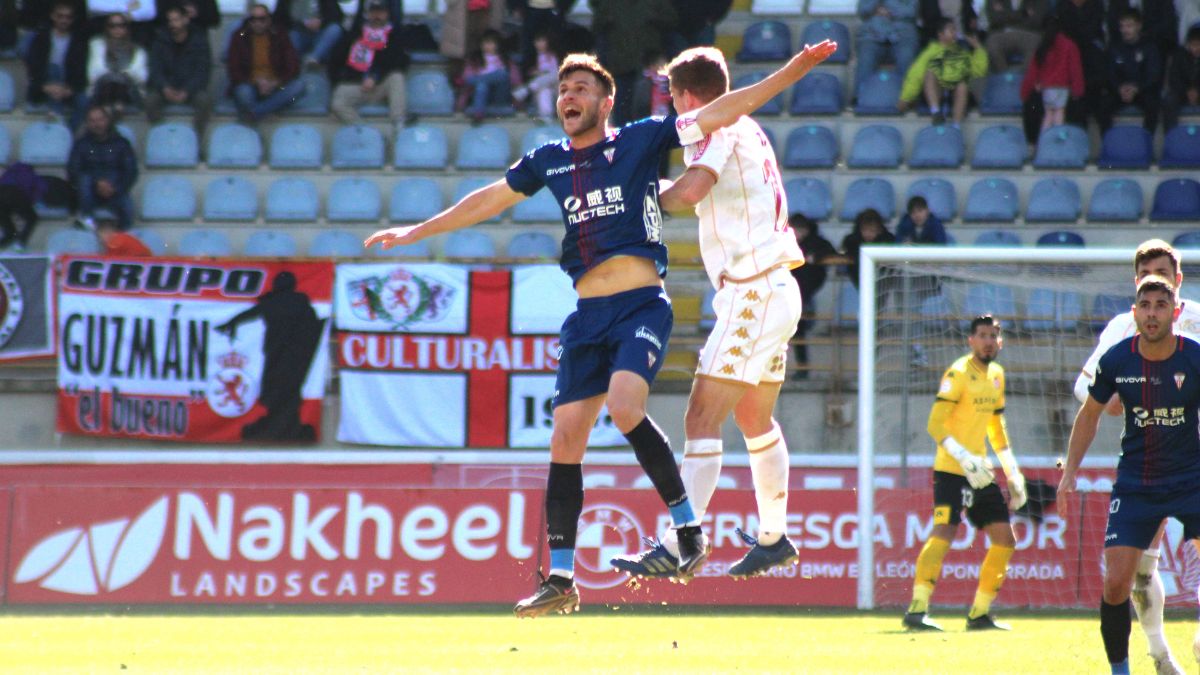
[
  {"x": 205, "y": 244},
  {"x": 1001, "y": 95},
  {"x": 468, "y": 185},
  {"x": 296, "y": 146},
  {"x": 936, "y": 313},
  {"x": 152, "y": 239},
  {"x": 771, "y": 7},
  {"x": 172, "y": 145},
  {"x": 772, "y": 107},
  {"x": 1116, "y": 200},
  {"x": 315, "y": 99},
  {"x": 938, "y": 147},
  {"x": 270, "y": 244},
  {"x": 1054, "y": 199},
  {"x": 1126, "y": 147},
  {"x": 765, "y": 41},
  {"x": 1190, "y": 240},
  {"x": 483, "y": 147},
  {"x": 992, "y": 199},
  {"x": 357, "y": 147},
  {"x": 45, "y": 144},
  {"x": 418, "y": 250},
  {"x": 336, "y": 244},
  {"x": 5, "y": 144},
  {"x": 1061, "y": 147},
  {"x": 879, "y": 94},
  {"x": 991, "y": 299},
  {"x": 414, "y": 200},
  {"x": 234, "y": 146},
  {"x": 827, "y": 29},
  {"x": 1061, "y": 238},
  {"x": 292, "y": 199},
  {"x": 540, "y": 208},
  {"x": 1181, "y": 147},
  {"x": 999, "y": 147},
  {"x": 469, "y": 244},
  {"x": 845, "y": 313},
  {"x": 353, "y": 199},
  {"x": 168, "y": 198},
  {"x": 1105, "y": 307},
  {"x": 8, "y": 93},
  {"x": 533, "y": 245},
  {"x": 1176, "y": 199},
  {"x": 429, "y": 93},
  {"x": 230, "y": 198},
  {"x": 422, "y": 147},
  {"x": 1048, "y": 309},
  {"x": 810, "y": 146},
  {"x": 708, "y": 316},
  {"x": 62, "y": 242},
  {"x": 810, "y": 197},
  {"x": 869, "y": 193},
  {"x": 876, "y": 146},
  {"x": 539, "y": 136},
  {"x": 998, "y": 239},
  {"x": 817, "y": 94},
  {"x": 939, "y": 193},
  {"x": 127, "y": 131}
]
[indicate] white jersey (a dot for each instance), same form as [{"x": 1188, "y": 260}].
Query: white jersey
[
  {"x": 1122, "y": 326},
  {"x": 744, "y": 231}
]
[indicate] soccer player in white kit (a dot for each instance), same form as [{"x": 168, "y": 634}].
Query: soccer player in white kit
[
  {"x": 1153, "y": 257},
  {"x": 748, "y": 250}
]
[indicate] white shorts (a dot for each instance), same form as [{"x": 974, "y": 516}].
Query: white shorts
[{"x": 755, "y": 320}]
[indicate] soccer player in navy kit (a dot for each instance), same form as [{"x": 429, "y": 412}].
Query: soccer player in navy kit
[
  {"x": 606, "y": 182},
  {"x": 1156, "y": 373}
]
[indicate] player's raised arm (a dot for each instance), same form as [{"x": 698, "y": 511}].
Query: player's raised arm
[
  {"x": 476, "y": 207},
  {"x": 1083, "y": 432},
  {"x": 687, "y": 190}
]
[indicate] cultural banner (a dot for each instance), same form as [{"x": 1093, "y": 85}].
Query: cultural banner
[
  {"x": 185, "y": 350},
  {"x": 26, "y": 307}
]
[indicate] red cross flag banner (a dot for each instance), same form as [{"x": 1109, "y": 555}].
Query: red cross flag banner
[
  {"x": 434, "y": 355},
  {"x": 183, "y": 350},
  {"x": 26, "y": 307}
]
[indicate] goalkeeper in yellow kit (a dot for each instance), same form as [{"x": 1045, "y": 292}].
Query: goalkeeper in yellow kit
[{"x": 969, "y": 408}]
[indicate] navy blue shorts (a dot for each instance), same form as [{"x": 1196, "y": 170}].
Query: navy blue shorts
[
  {"x": 1133, "y": 517},
  {"x": 625, "y": 331}
]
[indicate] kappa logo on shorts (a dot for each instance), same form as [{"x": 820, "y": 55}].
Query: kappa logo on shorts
[{"x": 648, "y": 335}]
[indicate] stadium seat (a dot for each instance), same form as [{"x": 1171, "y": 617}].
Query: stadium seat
[
  {"x": 776, "y": 7},
  {"x": 810, "y": 197},
  {"x": 172, "y": 145},
  {"x": 845, "y": 312},
  {"x": 708, "y": 316},
  {"x": 296, "y": 146},
  {"x": 66, "y": 241},
  {"x": 935, "y": 312},
  {"x": 533, "y": 245},
  {"x": 353, "y": 199},
  {"x": 1176, "y": 199},
  {"x": 357, "y": 147},
  {"x": 469, "y": 244},
  {"x": 1105, "y": 307},
  {"x": 1181, "y": 147},
  {"x": 8, "y": 93},
  {"x": 810, "y": 146},
  {"x": 422, "y": 147},
  {"x": 230, "y": 198},
  {"x": 540, "y": 208},
  {"x": 991, "y": 299},
  {"x": 1054, "y": 200},
  {"x": 999, "y": 147},
  {"x": 765, "y": 41},
  {"x": 1190, "y": 240},
  {"x": 1116, "y": 200},
  {"x": 468, "y": 185},
  {"x": 1126, "y": 147},
  {"x": 992, "y": 199},
  {"x": 772, "y": 107},
  {"x": 1061, "y": 238},
  {"x": 5, "y": 144},
  {"x": 998, "y": 239},
  {"x": 1002, "y": 95},
  {"x": 429, "y": 93},
  {"x": 539, "y": 136},
  {"x": 205, "y": 243},
  {"x": 152, "y": 239},
  {"x": 483, "y": 147},
  {"x": 270, "y": 244},
  {"x": 879, "y": 94},
  {"x": 869, "y": 193},
  {"x": 939, "y": 193},
  {"x": 414, "y": 200},
  {"x": 234, "y": 146},
  {"x": 937, "y": 147},
  {"x": 336, "y": 244},
  {"x": 315, "y": 99},
  {"x": 1048, "y": 309},
  {"x": 45, "y": 144},
  {"x": 168, "y": 198},
  {"x": 817, "y": 93},
  {"x": 876, "y": 146},
  {"x": 827, "y": 29},
  {"x": 418, "y": 250},
  {"x": 292, "y": 199},
  {"x": 1061, "y": 147}
]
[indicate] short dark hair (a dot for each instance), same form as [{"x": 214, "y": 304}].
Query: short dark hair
[
  {"x": 942, "y": 24},
  {"x": 916, "y": 202},
  {"x": 868, "y": 216},
  {"x": 588, "y": 63},
  {"x": 801, "y": 220},
  {"x": 1193, "y": 35},
  {"x": 1131, "y": 13},
  {"x": 700, "y": 70},
  {"x": 1155, "y": 248},
  {"x": 985, "y": 320},
  {"x": 1156, "y": 283}
]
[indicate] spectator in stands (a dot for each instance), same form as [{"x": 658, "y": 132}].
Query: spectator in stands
[
  {"x": 141, "y": 14},
  {"x": 56, "y": 65},
  {"x": 919, "y": 225},
  {"x": 1083, "y": 22},
  {"x": 542, "y": 82},
  {"x": 1189, "y": 17},
  {"x": 180, "y": 60},
  {"x": 1135, "y": 74},
  {"x": 372, "y": 67},
  {"x": 868, "y": 229},
  {"x": 117, "y": 66},
  {"x": 1014, "y": 27},
  {"x": 34, "y": 16},
  {"x": 1183, "y": 79},
  {"x": 489, "y": 78},
  {"x": 201, "y": 13},
  {"x": 810, "y": 277},
  {"x": 652, "y": 93},
  {"x": 1160, "y": 22},
  {"x": 10, "y": 16},
  {"x": 264, "y": 70},
  {"x": 887, "y": 26},
  {"x": 698, "y": 21},
  {"x": 961, "y": 12},
  {"x": 103, "y": 169},
  {"x": 627, "y": 31},
  {"x": 463, "y": 26},
  {"x": 943, "y": 71},
  {"x": 118, "y": 243},
  {"x": 20, "y": 189},
  {"x": 315, "y": 27},
  {"x": 1055, "y": 75},
  {"x": 538, "y": 18}
]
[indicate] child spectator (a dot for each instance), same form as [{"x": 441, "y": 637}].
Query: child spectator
[
  {"x": 488, "y": 78},
  {"x": 543, "y": 79},
  {"x": 652, "y": 93},
  {"x": 116, "y": 243},
  {"x": 944, "y": 69},
  {"x": 1056, "y": 72},
  {"x": 868, "y": 229},
  {"x": 919, "y": 225}
]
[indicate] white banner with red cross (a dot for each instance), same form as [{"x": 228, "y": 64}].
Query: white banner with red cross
[{"x": 434, "y": 355}]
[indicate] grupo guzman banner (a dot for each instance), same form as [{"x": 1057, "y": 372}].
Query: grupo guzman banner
[
  {"x": 433, "y": 355},
  {"x": 26, "y": 307},
  {"x": 180, "y": 350}
]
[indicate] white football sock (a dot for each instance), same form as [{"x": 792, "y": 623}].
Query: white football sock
[
  {"x": 769, "y": 468},
  {"x": 700, "y": 470},
  {"x": 1150, "y": 613}
]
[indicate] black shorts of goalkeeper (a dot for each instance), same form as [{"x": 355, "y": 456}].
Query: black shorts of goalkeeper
[{"x": 952, "y": 494}]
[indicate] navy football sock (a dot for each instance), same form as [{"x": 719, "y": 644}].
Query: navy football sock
[
  {"x": 564, "y": 503},
  {"x": 653, "y": 452},
  {"x": 1114, "y": 628}
]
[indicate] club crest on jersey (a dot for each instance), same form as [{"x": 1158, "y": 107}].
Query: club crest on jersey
[
  {"x": 609, "y": 153},
  {"x": 1179, "y": 380},
  {"x": 682, "y": 123},
  {"x": 702, "y": 146}
]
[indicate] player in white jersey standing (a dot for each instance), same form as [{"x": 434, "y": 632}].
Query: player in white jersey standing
[
  {"x": 748, "y": 250},
  {"x": 1153, "y": 257}
]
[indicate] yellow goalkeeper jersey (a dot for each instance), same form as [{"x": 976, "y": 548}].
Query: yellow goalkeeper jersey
[{"x": 969, "y": 407}]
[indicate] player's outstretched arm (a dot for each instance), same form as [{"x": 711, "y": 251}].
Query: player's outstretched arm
[
  {"x": 687, "y": 190},
  {"x": 727, "y": 108},
  {"x": 1083, "y": 432},
  {"x": 476, "y": 207}
]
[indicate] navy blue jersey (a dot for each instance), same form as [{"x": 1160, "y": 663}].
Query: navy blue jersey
[
  {"x": 1160, "y": 447},
  {"x": 608, "y": 193}
]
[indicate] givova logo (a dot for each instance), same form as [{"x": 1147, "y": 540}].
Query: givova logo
[{"x": 102, "y": 558}]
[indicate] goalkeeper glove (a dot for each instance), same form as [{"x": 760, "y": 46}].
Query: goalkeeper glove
[
  {"x": 1016, "y": 480},
  {"x": 977, "y": 469}
]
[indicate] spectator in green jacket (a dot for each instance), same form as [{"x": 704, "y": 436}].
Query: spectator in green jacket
[{"x": 943, "y": 70}]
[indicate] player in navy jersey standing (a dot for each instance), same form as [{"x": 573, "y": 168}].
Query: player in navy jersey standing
[
  {"x": 1156, "y": 374},
  {"x": 606, "y": 182}
]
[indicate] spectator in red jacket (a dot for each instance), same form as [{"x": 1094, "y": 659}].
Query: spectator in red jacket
[
  {"x": 1055, "y": 73},
  {"x": 264, "y": 70}
]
